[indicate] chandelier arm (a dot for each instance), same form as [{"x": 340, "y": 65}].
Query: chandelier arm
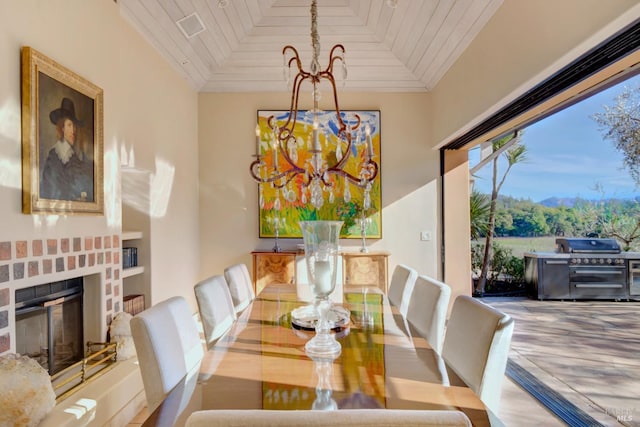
[
  {"x": 345, "y": 156},
  {"x": 293, "y": 106},
  {"x": 333, "y": 57},
  {"x": 306, "y": 180},
  {"x": 301, "y": 75},
  {"x": 287, "y": 158},
  {"x": 327, "y": 75},
  {"x": 286, "y": 130},
  {"x": 290, "y": 175},
  {"x": 335, "y": 171},
  {"x": 255, "y": 164},
  {"x": 358, "y": 122},
  {"x": 295, "y": 56},
  {"x": 372, "y": 167},
  {"x": 340, "y": 164}
]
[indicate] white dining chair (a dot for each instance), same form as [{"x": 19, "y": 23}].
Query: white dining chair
[
  {"x": 240, "y": 286},
  {"x": 427, "y": 311},
  {"x": 340, "y": 418},
  {"x": 217, "y": 312},
  {"x": 168, "y": 347},
  {"x": 476, "y": 347},
  {"x": 401, "y": 286}
]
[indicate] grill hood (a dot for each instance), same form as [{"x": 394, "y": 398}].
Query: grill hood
[{"x": 587, "y": 245}]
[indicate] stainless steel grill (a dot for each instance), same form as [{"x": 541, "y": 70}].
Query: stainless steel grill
[
  {"x": 581, "y": 268},
  {"x": 587, "y": 246}
]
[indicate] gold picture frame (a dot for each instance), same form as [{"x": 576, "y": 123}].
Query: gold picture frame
[{"x": 62, "y": 139}]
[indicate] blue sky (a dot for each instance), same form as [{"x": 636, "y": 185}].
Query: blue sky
[{"x": 566, "y": 157}]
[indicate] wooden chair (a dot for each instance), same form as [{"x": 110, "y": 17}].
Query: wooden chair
[
  {"x": 168, "y": 347},
  {"x": 476, "y": 347}
]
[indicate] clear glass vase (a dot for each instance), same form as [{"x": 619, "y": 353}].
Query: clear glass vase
[{"x": 321, "y": 244}]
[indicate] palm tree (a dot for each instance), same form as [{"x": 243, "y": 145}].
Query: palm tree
[
  {"x": 516, "y": 153},
  {"x": 479, "y": 214}
]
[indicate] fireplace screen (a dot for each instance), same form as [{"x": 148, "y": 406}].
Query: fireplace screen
[{"x": 49, "y": 323}]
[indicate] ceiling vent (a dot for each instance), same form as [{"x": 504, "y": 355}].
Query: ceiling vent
[{"x": 191, "y": 25}]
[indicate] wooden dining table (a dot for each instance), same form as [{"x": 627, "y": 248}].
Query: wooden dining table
[{"x": 261, "y": 364}]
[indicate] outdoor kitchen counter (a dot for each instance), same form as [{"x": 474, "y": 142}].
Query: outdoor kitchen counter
[
  {"x": 546, "y": 255},
  {"x": 582, "y": 274},
  {"x": 625, "y": 255}
]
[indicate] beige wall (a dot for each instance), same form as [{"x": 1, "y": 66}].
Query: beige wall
[
  {"x": 148, "y": 109},
  {"x": 195, "y": 223},
  {"x": 523, "y": 43},
  {"x": 457, "y": 244},
  {"x": 492, "y": 69},
  {"x": 229, "y": 197}
]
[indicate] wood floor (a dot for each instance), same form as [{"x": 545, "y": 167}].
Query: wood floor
[{"x": 586, "y": 351}]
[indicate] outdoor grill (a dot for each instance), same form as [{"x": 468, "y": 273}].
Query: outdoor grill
[
  {"x": 583, "y": 268},
  {"x": 587, "y": 246}
]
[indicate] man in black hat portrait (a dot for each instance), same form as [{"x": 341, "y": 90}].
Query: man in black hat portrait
[{"x": 65, "y": 175}]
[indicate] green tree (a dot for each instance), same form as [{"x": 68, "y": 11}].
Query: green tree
[
  {"x": 620, "y": 123},
  {"x": 589, "y": 216},
  {"x": 504, "y": 222},
  {"x": 530, "y": 221},
  {"x": 516, "y": 153},
  {"x": 620, "y": 220},
  {"x": 479, "y": 214},
  {"x": 560, "y": 220}
]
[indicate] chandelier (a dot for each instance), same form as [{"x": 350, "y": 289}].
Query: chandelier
[{"x": 312, "y": 167}]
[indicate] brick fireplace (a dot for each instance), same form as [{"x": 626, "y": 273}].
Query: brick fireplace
[
  {"x": 115, "y": 396},
  {"x": 26, "y": 263}
]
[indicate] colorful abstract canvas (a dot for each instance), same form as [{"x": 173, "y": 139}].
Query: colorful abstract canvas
[{"x": 343, "y": 200}]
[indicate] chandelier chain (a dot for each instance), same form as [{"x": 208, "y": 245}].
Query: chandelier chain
[
  {"x": 315, "y": 39},
  {"x": 317, "y": 171}
]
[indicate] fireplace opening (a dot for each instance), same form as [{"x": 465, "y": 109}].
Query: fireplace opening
[{"x": 49, "y": 323}]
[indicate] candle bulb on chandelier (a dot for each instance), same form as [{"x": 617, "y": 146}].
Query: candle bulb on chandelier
[
  {"x": 316, "y": 141},
  {"x": 257, "y": 140},
  {"x": 275, "y": 158},
  {"x": 369, "y": 143}
]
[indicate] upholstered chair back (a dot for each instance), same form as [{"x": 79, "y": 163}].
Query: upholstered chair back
[
  {"x": 427, "y": 311},
  {"x": 401, "y": 286},
  {"x": 476, "y": 347},
  {"x": 217, "y": 312},
  {"x": 168, "y": 347},
  {"x": 240, "y": 286},
  {"x": 317, "y": 418}
]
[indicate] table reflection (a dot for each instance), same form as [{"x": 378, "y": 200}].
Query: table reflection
[{"x": 261, "y": 363}]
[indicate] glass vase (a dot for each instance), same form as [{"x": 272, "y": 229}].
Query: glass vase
[{"x": 321, "y": 240}]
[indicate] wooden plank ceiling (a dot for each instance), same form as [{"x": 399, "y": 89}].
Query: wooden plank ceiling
[{"x": 406, "y": 48}]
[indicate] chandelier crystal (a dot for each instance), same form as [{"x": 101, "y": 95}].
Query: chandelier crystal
[{"x": 314, "y": 165}]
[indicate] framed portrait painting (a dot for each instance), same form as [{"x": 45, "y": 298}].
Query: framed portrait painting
[
  {"x": 285, "y": 207},
  {"x": 62, "y": 139}
]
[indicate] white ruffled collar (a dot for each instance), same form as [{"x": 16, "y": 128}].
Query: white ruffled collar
[{"x": 64, "y": 151}]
